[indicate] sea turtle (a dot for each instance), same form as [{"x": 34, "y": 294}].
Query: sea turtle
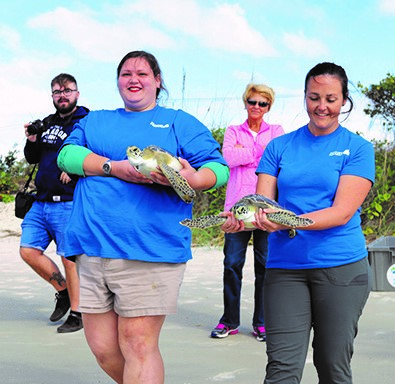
[
  {"x": 245, "y": 210},
  {"x": 153, "y": 159}
]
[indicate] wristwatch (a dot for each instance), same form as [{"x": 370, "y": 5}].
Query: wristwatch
[{"x": 107, "y": 168}]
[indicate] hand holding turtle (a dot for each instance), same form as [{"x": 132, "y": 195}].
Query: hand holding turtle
[
  {"x": 124, "y": 171},
  {"x": 186, "y": 172},
  {"x": 159, "y": 177},
  {"x": 264, "y": 224},
  {"x": 231, "y": 225},
  {"x": 201, "y": 179}
]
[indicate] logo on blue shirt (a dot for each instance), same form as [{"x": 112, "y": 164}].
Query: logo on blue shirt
[
  {"x": 346, "y": 152},
  {"x": 159, "y": 125}
]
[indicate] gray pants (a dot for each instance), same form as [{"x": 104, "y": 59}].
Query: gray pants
[{"x": 329, "y": 301}]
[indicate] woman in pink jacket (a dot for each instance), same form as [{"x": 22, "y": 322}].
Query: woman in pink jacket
[{"x": 242, "y": 149}]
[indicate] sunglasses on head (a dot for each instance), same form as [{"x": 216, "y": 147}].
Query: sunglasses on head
[{"x": 262, "y": 104}]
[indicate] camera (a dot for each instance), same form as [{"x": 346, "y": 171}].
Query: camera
[{"x": 35, "y": 127}]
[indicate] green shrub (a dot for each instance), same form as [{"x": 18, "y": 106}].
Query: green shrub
[
  {"x": 210, "y": 203},
  {"x": 13, "y": 173},
  {"x": 7, "y": 198},
  {"x": 378, "y": 216}
]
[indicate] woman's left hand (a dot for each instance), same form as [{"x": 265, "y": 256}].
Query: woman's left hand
[
  {"x": 264, "y": 224},
  {"x": 187, "y": 171}
]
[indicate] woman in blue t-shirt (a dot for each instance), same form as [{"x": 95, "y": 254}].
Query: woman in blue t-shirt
[
  {"x": 124, "y": 230},
  {"x": 319, "y": 279}
]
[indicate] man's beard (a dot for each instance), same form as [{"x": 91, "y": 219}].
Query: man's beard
[{"x": 66, "y": 110}]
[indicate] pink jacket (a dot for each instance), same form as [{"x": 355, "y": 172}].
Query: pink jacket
[{"x": 244, "y": 161}]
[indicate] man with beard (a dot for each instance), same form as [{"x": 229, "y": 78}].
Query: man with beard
[{"x": 47, "y": 219}]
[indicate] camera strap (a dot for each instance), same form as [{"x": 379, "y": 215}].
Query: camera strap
[{"x": 29, "y": 179}]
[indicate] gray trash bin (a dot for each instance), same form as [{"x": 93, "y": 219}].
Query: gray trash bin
[{"x": 382, "y": 261}]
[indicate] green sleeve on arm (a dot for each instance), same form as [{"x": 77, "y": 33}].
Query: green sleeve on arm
[
  {"x": 71, "y": 159},
  {"x": 221, "y": 173}
]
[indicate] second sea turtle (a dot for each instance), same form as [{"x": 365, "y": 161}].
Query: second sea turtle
[{"x": 245, "y": 210}]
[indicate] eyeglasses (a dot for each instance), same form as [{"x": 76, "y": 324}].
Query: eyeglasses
[
  {"x": 67, "y": 92},
  {"x": 262, "y": 104}
]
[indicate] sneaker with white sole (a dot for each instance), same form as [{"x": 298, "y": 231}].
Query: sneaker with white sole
[
  {"x": 222, "y": 330},
  {"x": 259, "y": 333}
]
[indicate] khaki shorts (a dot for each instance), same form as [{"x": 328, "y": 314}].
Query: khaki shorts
[{"x": 131, "y": 288}]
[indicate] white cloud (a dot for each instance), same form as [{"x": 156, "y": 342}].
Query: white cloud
[
  {"x": 387, "y": 6},
  {"x": 222, "y": 27},
  {"x": 27, "y": 83},
  {"x": 156, "y": 24},
  {"x": 226, "y": 28},
  {"x": 98, "y": 40},
  {"x": 304, "y": 46},
  {"x": 9, "y": 38}
]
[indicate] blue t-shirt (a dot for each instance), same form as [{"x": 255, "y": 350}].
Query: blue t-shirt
[
  {"x": 308, "y": 169},
  {"x": 112, "y": 218}
]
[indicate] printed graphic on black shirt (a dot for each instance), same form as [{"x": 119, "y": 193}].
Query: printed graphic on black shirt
[{"x": 51, "y": 135}]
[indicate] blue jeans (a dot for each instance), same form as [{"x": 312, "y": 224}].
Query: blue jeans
[{"x": 235, "y": 248}]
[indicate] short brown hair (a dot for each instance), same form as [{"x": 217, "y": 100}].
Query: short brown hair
[{"x": 63, "y": 78}]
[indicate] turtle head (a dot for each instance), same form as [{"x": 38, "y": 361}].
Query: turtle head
[
  {"x": 239, "y": 209},
  {"x": 134, "y": 155},
  {"x": 244, "y": 212}
]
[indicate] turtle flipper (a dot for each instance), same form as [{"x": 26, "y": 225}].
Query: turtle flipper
[
  {"x": 179, "y": 183},
  {"x": 289, "y": 219},
  {"x": 203, "y": 221},
  {"x": 303, "y": 221}
]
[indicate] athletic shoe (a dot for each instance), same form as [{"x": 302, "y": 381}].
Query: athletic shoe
[
  {"x": 222, "y": 330},
  {"x": 259, "y": 333},
  {"x": 72, "y": 324},
  {"x": 62, "y": 305}
]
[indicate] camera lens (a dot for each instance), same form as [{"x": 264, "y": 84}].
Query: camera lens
[{"x": 35, "y": 127}]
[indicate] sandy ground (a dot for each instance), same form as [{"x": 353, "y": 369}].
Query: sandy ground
[{"x": 31, "y": 352}]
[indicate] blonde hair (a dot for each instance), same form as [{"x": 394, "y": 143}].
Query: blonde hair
[{"x": 262, "y": 89}]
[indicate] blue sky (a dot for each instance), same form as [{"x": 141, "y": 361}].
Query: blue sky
[{"x": 217, "y": 47}]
